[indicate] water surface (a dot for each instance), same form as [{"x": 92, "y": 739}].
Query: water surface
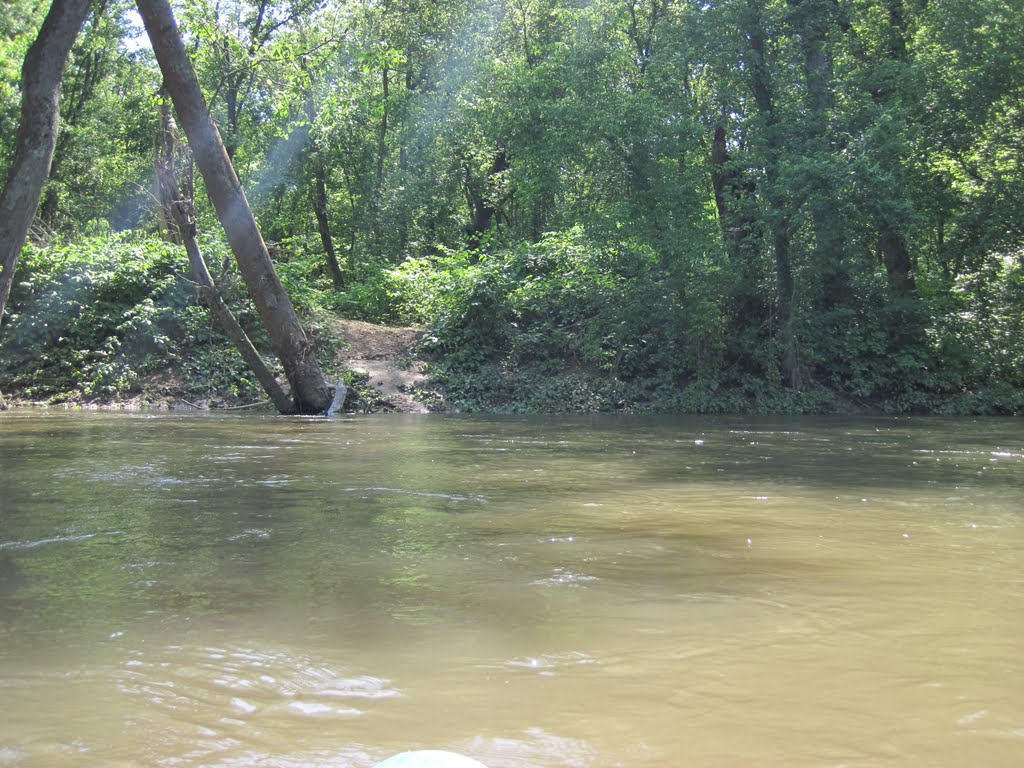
[{"x": 578, "y": 593}]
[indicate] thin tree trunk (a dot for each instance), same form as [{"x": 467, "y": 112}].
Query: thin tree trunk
[
  {"x": 382, "y": 130},
  {"x": 741, "y": 232},
  {"x": 178, "y": 212},
  {"x": 377, "y": 202},
  {"x": 761, "y": 86},
  {"x": 319, "y": 199},
  {"x": 287, "y": 337},
  {"x": 42, "y": 73},
  {"x": 322, "y": 222},
  {"x": 899, "y": 264},
  {"x": 185, "y": 222},
  {"x": 814, "y": 20},
  {"x": 166, "y": 178},
  {"x": 90, "y": 71},
  {"x": 787, "y": 293},
  {"x": 484, "y": 207}
]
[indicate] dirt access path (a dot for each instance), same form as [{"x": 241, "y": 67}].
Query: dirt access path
[{"x": 388, "y": 356}]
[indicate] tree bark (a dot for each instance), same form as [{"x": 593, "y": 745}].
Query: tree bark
[
  {"x": 287, "y": 337},
  {"x": 322, "y": 223},
  {"x": 167, "y": 192},
  {"x": 377, "y": 202},
  {"x": 315, "y": 158},
  {"x": 185, "y": 222},
  {"x": 896, "y": 256},
  {"x": 484, "y": 207},
  {"x": 899, "y": 263},
  {"x": 814, "y": 21},
  {"x": 178, "y": 214},
  {"x": 41, "y": 78},
  {"x": 88, "y": 68},
  {"x": 761, "y": 87},
  {"x": 741, "y": 231}
]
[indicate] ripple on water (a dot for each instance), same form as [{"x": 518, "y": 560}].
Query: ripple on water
[
  {"x": 148, "y": 475},
  {"x": 563, "y": 577},
  {"x": 548, "y": 664},
  {"x": 251, "y": 534},
  {"x": 345, "y": 756},
  {"x": 68, "y": 538},
  {"x": 236, "y": 687},
  {"x": 376, "y": 490},
  {"x": 536, "y": 747}
]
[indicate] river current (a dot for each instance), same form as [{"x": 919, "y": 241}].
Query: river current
[{"x": 206, "y": 590}]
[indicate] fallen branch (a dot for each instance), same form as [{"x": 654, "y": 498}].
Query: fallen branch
[{"x": 260, "y": 404}]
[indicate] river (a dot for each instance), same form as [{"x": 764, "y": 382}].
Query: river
[{"x": 213, "y": 590}]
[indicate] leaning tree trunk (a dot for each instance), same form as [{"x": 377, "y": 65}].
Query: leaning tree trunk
[
  {"x": 41, "y": 77},
  {"x": 287, "y": 337},
  {"x": 185, "y": 222},
  {"x": 178, "y": 214}
]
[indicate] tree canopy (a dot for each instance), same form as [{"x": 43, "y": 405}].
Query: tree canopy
[{"x": 785, "y": 205}]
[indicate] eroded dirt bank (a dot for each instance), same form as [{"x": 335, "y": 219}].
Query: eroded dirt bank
[{"x": 389, "y": 357}]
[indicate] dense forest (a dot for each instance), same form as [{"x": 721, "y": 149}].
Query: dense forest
[{"x": 803, "y": 206}]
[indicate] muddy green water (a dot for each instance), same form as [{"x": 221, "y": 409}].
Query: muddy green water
[{"x": 550, "y": 593}]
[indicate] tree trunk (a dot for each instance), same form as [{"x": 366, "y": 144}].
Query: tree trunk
[
  {"x": 377, "y": 202},
  {"x": 42, "y": 73},
  {"x": 177, "y": 213},
  {"x": 791, "y": 372},
  {"x": 813, "y": 21},
  {"x": 382, "y": 130},
  {"x": 761, "y": 86},
  {"x": 891, "y": 244},
  {"x": 741, "y": 232},
  {"x": 896, "y": 256},
  {"x": 88, "y": 68},
  {"x": 315, "y": 158},
  {"x": 322, "y": 222},
  {"x": 287, "y": 337},
  {"x": 167, "y": 192},
  {"x": 484, "y": 207},
  {"x": 185, "y": 222}
]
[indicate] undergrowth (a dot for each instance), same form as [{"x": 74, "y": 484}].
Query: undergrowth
[{"x": 565, "y": 325}]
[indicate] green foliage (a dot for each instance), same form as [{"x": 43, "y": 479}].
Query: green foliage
[
  {"x": 209, "y": 366},
  {"x": 102, "y": 165},
  {"x": 534, "y": 181},
  {"x": 305, "y": 279},
  {"x": 88, "y": 319},
  {"x": 113, "y": 316},
  {"x": 948, "y": 353},
  {"x": 976, "y": 338},
  {"x": 18, "y": 27},
  {"x": 565, "y": 324}
]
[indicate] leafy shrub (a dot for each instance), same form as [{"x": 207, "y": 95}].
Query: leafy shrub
[
  {"x": 90, "y": 318},
  {"x": 96, "y": 318},
  {"x": 947, "y": 352},
  {"x": 976, "y": 333},
  {"x": 565, "y": 324}
]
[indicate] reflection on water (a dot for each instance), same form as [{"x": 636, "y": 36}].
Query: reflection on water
[{"x": 239, "y": 591}]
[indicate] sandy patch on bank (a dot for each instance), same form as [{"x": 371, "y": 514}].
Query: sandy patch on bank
[{"x": 388, "y": 356}]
